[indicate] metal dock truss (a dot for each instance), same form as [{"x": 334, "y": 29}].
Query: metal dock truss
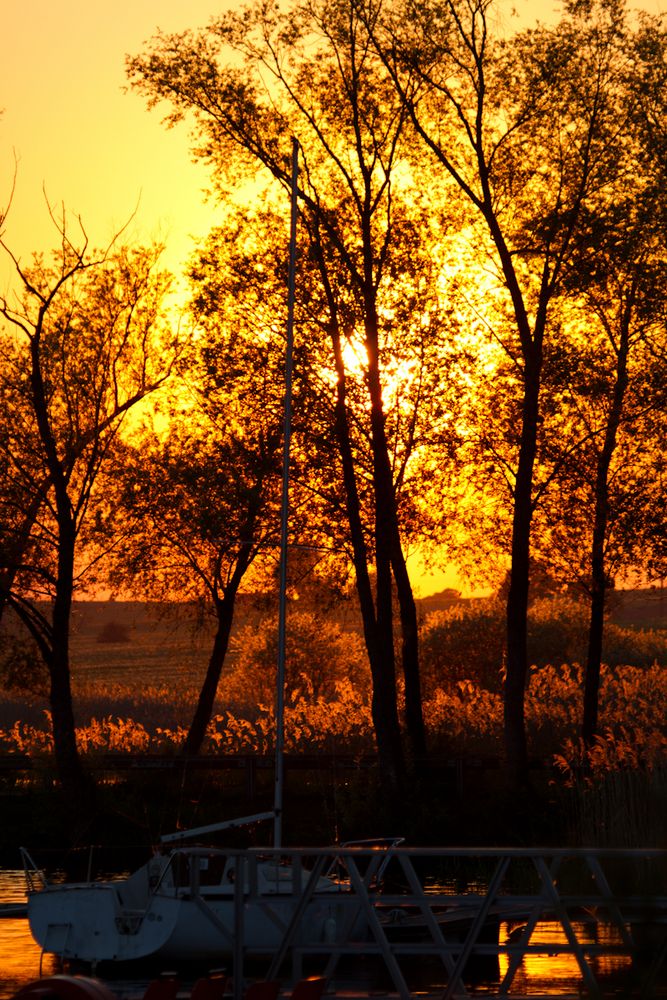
[{"x": 455, "y": 907}]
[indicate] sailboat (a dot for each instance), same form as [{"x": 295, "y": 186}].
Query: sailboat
[
  {"x": 187, "y": 903},
  {"x": 192, "y": 902}
]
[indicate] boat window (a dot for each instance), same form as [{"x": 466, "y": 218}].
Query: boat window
[
  {"x": 180, "y": 867},
  {"x": 212, "y": 869}
]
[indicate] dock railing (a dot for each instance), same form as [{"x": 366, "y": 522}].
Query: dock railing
[{"x": 456, "y": 907}]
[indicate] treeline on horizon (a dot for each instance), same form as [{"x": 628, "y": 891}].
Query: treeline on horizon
[{"x": 479, "y": 367}]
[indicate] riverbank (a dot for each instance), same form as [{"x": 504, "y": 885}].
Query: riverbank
[{"x": 459, "y": 802}]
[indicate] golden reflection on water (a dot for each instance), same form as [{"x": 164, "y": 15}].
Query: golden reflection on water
[
  {"x": 19, "y": 955},
  {"x": 552, "y": 971}
]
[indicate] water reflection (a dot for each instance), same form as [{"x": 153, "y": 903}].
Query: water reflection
[
  {"x": 555, "y": 972},
  {"x": 19, "y": 955}
]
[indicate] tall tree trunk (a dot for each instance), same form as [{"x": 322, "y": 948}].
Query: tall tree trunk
[
  {"x": 201, "y": 718},
  {"x": 516, "y": 745},
  {"x": 595, "y": 638},
  {"x": 414, "y": 715},
  {"x": 384, "y": 700},
  {"x": 76, "y": 784},
  {"x": 600, "y": 523},
  {"x": 388, "y": 548},
  {"x": 384, "y": 703}
]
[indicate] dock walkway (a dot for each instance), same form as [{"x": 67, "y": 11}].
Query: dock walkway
[{"x": 443, "y": 909}]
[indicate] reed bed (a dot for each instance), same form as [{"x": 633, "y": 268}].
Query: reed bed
[{"x": 461, "y": 716}]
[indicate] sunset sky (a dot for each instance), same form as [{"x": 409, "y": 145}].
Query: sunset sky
[
  {"x": 75, "y": 132},
  {"x": 90, "y": 145}
]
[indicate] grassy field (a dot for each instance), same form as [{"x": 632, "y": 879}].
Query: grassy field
[
  {"x": 126, "y": 642},
  {"x": 122, "y": 641},
  {"x": 143, "y": 663}
]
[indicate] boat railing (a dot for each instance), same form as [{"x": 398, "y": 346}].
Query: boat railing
[
  {"x": 385, "y": 844},
  {"x": 458, "y": 906},
  {"x": 35, "y": 879}
]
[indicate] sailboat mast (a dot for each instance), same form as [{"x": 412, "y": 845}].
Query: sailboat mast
[{"x": 282, "y": 610}]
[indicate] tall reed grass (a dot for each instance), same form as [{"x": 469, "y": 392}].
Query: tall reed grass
[{"x": 460, "y": 716}]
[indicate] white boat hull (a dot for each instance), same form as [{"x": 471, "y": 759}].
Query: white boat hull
[
  {"x": 128, "y": 920},
  {"x": 88, "y": 923}
]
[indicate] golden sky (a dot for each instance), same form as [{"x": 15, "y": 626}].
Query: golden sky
[
  {"x": 93, "y": 147},
  {"x": 89, "y": 144},
  {"x": 77, "y": 135}
]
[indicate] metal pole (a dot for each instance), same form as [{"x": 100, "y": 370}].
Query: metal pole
[{"x": 282, "y": 612}]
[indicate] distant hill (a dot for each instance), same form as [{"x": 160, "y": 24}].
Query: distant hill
[{"x": 640, "y": 608}]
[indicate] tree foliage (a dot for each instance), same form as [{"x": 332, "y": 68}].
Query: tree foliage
[
  {"x": 254, "y": 79},
  {"x": 82, "y": 343},
  {"x": 321, "y": 656}
]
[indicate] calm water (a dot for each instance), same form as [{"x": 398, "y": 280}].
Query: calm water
[
  {"x": 19, "y": 955},
  {"x": 544, "y": 974}
]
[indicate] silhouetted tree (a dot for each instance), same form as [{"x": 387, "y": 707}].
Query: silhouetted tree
[
  {"x": 326, "y": 89},
  {"x": 82, "y": 344},
  {"x": 198, "y": 500},
  {"x": 531, "y": 132},
  {"x": 610, "y": 385}
]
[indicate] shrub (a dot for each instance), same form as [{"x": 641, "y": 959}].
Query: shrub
[
  {"x": 320, "y": 654},
  {"x": 640, "y": 647},
  {"x": 112, "y": 632},
  {"x": 557, "y": 631},
  {"x": 465, "y": 642},
  {"x": 553, "y": 704},
  {"x": 465, "y": 714}
]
